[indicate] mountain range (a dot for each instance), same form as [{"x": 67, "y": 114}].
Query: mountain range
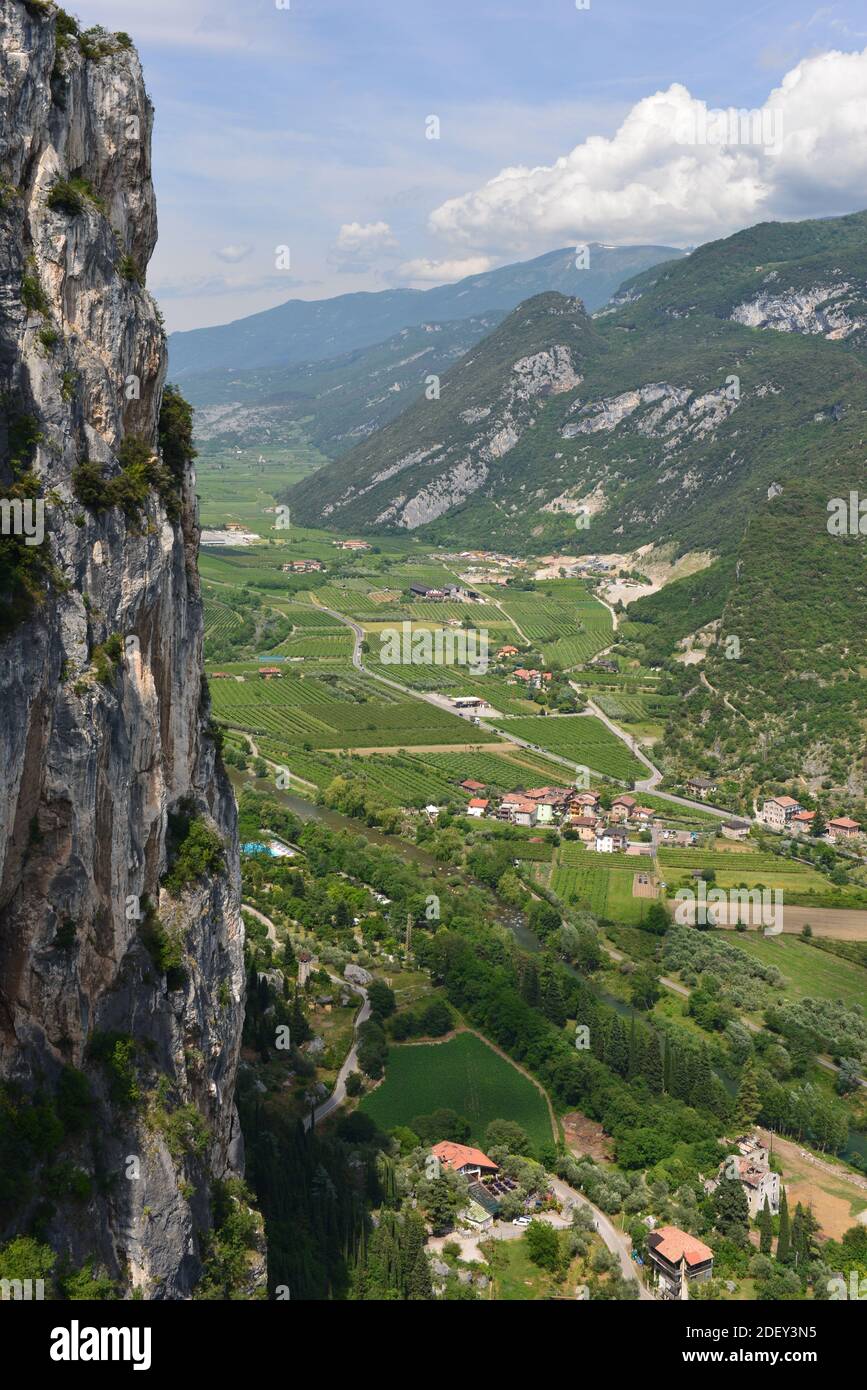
[
  {"x": 715, "y": 407},
  {"x": 703, "y": 381},
  {"x": 311, "y": 330}
]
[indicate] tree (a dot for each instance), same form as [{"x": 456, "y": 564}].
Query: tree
[
  {"x": 804, "y": 1227},
  {"x": 543, "y": 1245},
  {"x": 784, "y": 1239},
  {"x": 372, "y": 1049},
  {"x": 440, "y": 1203},
  {"x": 849, "y": 1075},
  {"x": 748, "y": 1102},
  {"x": 382, "y": 1000},
  {"x": 505, "y": 1134},
  {"x": 645, "y": 989},
  {"x": 656, "y": 919},
  {"x": 766, "y": 1229},
  {"x": 731, "y": 1211}
]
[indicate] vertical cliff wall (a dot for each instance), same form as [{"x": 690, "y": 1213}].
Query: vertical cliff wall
[{"x": 109, "y": 775}]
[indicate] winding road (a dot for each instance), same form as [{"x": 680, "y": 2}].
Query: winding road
[{"x": 338, "y": 1095}]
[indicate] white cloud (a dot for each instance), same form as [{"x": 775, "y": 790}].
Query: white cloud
[
  {"x": 356, "y": 236},
  {"x": 651, "y": 181},
  {"x": 233, "y": 254},
  {"x": 443, "y": 272},
  {"x": 359, "y": 243}
]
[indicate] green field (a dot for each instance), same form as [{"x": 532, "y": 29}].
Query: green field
[
  {"x": 582, "y": 738},
  {"x": 799, "y": 884},
  {"x": 811, "y": 973},
  {"x": 603, "y": 882},
  {"x": 295, "y": 710},
  {"x": 464, "y": 1075}
]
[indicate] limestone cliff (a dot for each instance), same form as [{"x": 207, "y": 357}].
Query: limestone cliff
[{"x": 109, "y": 774}]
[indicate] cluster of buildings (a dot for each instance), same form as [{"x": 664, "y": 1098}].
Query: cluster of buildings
[
  {"x": 303, "y": 567},
  {"x": 785, "y": 813},
  {"x": 750, "y": 1166},
  {"x": 603, "y": 831},
  {"x": 233, "y": 534},
  {"x": 352, "y": 545},
  {"x": 455, "y": 592}
]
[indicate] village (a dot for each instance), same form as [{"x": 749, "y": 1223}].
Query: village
[{"x": 674, "y": 1260}]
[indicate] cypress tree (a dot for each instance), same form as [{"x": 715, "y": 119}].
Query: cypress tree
[
  {"x": 784, "y": 1240},
  {"x": 616, "y": 1050},
  {"x": 651, "y": 1068},
  {"x": 766, "y": 1229},
  {"x": 634, "y": 1062},
  {"x": 748, "y": 1102}
]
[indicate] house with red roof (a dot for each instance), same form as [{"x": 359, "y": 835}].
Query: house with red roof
[
  {"x": 843, "y": 828},
  {"x": 478, "y": 806},
  {"x": 677, "y": 1260},
  {"x": 802, "y": 822},
  {"x": 470, "y": 1163},
  {"x": 519, "y": 809}
]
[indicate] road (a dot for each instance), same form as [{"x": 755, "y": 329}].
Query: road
[
  {"x": 338, "y": 1095},
  {"x": 616, "y": 1241}
]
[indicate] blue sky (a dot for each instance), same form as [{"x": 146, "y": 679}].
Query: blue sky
[{"x": 305, "y": 126}]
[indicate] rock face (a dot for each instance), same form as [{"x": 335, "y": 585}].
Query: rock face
[{"x": 105, "y": 742}]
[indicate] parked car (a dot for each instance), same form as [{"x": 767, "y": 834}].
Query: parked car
[{"x": 522, "y": 1220}]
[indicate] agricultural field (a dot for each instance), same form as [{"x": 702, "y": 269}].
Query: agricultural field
[
  {"x": 582, "y": 738},
  {"x": 602, "y": 882},
  {"x": 282, "y": 709},
  {"x": 799, "y": 884},
  {"x": 809, "y": 971},
  {"x": 220, "y": 621},
  {"x": 239, "y": 488},
  {"x": 464, "y": 1075},
  {"x": 562, "y": 618}
]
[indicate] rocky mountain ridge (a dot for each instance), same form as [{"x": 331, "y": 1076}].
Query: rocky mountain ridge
[
  {"x": 703, "y": 382},
  {"x": 121, "y": 941}
]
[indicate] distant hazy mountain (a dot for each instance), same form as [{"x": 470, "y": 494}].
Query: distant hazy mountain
[
  {"x": 310, "y": 330},
  {"x": 336, "y": 402}
]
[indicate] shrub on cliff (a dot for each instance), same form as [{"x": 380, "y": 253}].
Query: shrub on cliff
[{"x": 199, "y": 852}]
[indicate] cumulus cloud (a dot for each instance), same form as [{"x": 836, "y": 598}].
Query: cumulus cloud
[
  {"x": 678, "y": 171},
  {"x": 444, "y": 272},
  {"x": 233, "y": 254},
  {"x": 359, "y": 242}
]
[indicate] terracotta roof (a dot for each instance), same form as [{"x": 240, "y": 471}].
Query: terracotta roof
[
  {"x": 844, "y": 823},
  {"x": 623, "y": 801},
  {"x": 479, "y": 801},
  {"x": 804, "y": 815},
  {"x": 460, "y": 1155},
  {"x": 673, "y": 1245},
  {"x": 785, "y": 801},
  {"x": 471, "y": 786}
]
